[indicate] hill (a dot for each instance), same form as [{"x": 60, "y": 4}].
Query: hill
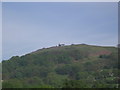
[{"x": 72, "y": 66}]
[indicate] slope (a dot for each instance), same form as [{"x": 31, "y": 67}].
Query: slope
[{"x": 70, "y": 66}]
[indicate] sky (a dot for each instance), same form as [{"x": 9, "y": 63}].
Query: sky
[{"x": 28, "y": 26}]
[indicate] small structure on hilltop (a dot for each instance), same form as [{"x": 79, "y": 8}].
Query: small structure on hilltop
[
  {"x": 72, "y": 44},
  {"x": 61, "y": 45}
]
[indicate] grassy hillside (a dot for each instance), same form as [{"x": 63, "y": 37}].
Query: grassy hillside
[{"x": 73, "y": 66}]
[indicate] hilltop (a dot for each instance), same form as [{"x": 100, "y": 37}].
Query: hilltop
[{"x": 71, "y": 66}]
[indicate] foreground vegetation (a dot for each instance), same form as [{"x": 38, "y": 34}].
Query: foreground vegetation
[{"x": 74, "y": 66}]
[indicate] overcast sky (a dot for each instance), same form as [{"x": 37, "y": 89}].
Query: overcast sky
[{"x": 31, "y": 26}]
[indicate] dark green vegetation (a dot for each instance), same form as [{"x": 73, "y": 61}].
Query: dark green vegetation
[{"x": 74, "y": 66}]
